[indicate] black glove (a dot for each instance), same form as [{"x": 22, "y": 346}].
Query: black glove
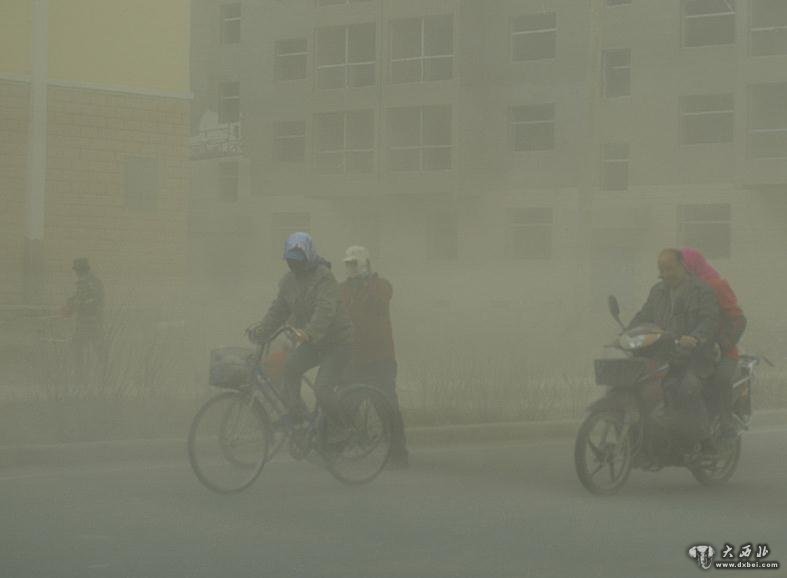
[{"x": 255, "y": 334}]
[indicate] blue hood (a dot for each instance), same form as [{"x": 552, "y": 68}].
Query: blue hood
[{"x": 304, "y": 242}]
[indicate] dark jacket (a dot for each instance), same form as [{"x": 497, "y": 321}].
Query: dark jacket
[
  {"x": 310, "y": 301},
  {"x": 367, "y": 302},
  {"x": 695, "y": 312}
]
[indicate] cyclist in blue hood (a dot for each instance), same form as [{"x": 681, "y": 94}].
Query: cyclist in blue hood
[{"x": 310, "y": 301}]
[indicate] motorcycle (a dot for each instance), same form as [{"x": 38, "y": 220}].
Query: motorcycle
[{"x": 629, "y": 427}]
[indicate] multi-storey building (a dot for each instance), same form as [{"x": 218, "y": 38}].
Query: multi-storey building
[
  {"x": 513, "y": 160},
  {"x": 97, "y": 167}
]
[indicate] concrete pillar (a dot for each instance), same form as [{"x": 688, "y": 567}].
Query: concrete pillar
[{"x": 36, "y": 161}]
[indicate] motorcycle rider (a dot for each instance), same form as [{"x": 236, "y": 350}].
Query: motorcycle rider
[
  {"x": 686, "y": 307},
  {"x": 366, "y": 298},
  {"x": 309, "y": 299},
  {"x": 732, "y": 324}
]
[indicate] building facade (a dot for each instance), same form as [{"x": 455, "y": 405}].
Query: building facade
[
  {"x": 508, "y": 163},
  {"x": 114, "y": 122}
]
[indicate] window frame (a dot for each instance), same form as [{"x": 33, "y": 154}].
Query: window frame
[
  {"x": 684, "y": 17},
  {"x": 750, "y": 131},
  {"x": 533, "y": 224},
  {"x": 607, "y": 69},
  {"x": 223, "y": 99},
  {"x": 278, "y": 56},
  {"x": 683, "y": 115},
  {"x": 346, "y": 65},
  {"x": 423, "y": 57},
  {"x": 513, "y": 124},
  {"x": 225, "y": 20},
  {"x": 344, "y": 151},
  {"x": 280, "y": 138},
  {"x": 611, "y": 158},
  {"x": 759, "y": 29},
  {"x": 513, "y": 34},
  {"x": 683, "y": 223},
  {"x": 421, "y": 147}
]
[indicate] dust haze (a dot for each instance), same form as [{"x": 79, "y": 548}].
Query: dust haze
[{"x": 509, "y": 164}]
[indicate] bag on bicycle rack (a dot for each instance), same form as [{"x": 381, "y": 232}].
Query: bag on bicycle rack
[{"x": 229, "y": 366}]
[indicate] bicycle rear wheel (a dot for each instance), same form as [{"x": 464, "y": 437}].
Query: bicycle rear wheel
[
  {"x": 357, "y": 449},
  {"x": 228, "y": 442}
]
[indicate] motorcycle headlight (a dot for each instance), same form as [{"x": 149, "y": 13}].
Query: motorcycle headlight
[{"x": 628, "y": 342}]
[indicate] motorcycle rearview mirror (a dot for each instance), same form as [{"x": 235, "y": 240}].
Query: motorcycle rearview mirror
[{"x": 614, "y": 310}]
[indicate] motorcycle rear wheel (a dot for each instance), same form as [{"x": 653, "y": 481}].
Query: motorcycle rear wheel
[
  {"x": 602, "y": 453},
  {"x": 722, "y": 469}
]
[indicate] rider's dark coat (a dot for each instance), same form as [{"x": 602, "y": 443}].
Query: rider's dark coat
[{"x": 690, "y": 309}]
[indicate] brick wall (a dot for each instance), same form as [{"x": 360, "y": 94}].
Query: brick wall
[{"x": 140, "y": 253}]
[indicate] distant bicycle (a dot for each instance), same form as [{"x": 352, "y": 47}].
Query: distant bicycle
[{"x": 238, "y": 431}]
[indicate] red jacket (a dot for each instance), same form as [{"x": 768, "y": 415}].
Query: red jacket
[
  {"x": 367, "y": 301},
  {"x": 733, "y": 321}
]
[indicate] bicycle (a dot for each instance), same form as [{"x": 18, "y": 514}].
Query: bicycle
[{"x": 238, "y": 431}]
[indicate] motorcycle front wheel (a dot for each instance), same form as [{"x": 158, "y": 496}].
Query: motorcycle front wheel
[{"x": 602, "y": 453}]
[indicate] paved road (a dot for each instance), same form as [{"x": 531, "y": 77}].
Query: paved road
[{"x": 483, "y": 511}]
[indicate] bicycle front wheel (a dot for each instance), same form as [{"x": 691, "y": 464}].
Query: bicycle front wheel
[
  {"x": 228, "y": 442},
  {"x": 357, "y": 444}
]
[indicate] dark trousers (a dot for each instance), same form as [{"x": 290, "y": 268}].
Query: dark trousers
[
  {"x": 683, "y": 390},
  {"x": 332, "y": 361},
  {"x": 87, "y": 339},
  {"x": 721, "y": 386},
  {"x": 382, "y": 375}
]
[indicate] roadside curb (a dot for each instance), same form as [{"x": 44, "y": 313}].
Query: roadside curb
[{"x": 83, "y": 453}]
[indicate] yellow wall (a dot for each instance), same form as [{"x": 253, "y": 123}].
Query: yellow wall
[
  {"x": 15, "y": 37},
  {"x": 134, "y": 43}
]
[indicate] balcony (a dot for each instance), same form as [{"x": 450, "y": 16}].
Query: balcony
[{"x": 217, "y": 142}]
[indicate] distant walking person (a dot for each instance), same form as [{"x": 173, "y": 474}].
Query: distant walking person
[
  {"x": 367, "y": 297},
  {"x": 87, "y": 305}
]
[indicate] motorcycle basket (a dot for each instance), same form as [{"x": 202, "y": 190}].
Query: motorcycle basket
[
  {"x": 229, "y": 366},
  {"x": 621, "y": 372}
]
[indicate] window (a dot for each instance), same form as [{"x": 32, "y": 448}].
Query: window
[
  {"x": 708, "y": 22},
  {"x": 344, "y": 142},
  {"x": 230, "y": 23},
  {"x": 285, "y": 224},
  {"x": 142, "y": 183},
  {"x": 706, "y": 118},
  {"x": 706, "y": 227},
  {"x": 442, "y": 236},
  {"x": 419, "y": 138},
  {"x": 534, "y": 36},
  {"x": 615, "y": 167},
  {"x": 618, "y": 2},
  {"x": 529, "y": 233},
  {"x": 228, "y": 181},
  {"x": 533, "y": 127},
  {"x": 768, "y": 120},
  {"x": 289, "y": 141},
  {"x": 291, "y": 57},
  {"x": 229, "y": 102},
  {"x": 617, "y": 72},
  {"x": 345, "y": 56},
  {"x": 422, "y": 49},
  {"x": 768, "y": 31}
]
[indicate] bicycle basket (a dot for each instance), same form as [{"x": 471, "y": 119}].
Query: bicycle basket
[
  {"x": 229, "y": 366},
  {"x": 620, "y": 372}
]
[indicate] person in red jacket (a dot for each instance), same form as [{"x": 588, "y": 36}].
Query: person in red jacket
[
  {"x": 732, "y": 325},
  {"x": 367, "y": 297}
]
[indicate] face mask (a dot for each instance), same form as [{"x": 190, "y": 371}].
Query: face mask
[{"x": 297, "y": 266}]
